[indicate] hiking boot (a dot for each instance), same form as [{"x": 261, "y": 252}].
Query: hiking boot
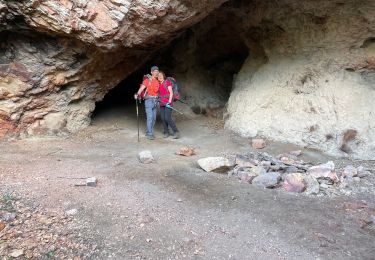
[
  {"x": 166, "y": 135},
  {"x": 151, "y": 137},
  {"x": 176, "y": 135}
]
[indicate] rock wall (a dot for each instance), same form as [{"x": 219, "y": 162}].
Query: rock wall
[
  {"x": 310, "y": 75},
  {"x": 57, "y": 58}
]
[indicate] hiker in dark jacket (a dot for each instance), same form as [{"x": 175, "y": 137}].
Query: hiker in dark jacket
[
  {"x": 149, "y": 91},
  {"x": 166, "y": 104}
]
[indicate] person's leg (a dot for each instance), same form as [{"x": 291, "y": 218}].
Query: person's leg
[
  {"x": 149, "y": 106},
  {"x": 154, "y": 114},
  {"x": 164, "y": 121},
  {"x": 170, "y": 122}
]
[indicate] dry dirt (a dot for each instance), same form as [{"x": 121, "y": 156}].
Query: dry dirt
[{"x": 171, "y": 209}]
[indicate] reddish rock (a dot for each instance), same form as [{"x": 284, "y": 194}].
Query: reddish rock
[
  {"x": 294, "y": 182},
  {"x": 326, "y": 170},
  {"x": 258, "y": 143}
]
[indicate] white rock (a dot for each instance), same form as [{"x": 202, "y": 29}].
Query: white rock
[
  {"x": 71, "y": 212},
  {"x": 216, "y": 164},
  {"x": 146, "y": 157}
]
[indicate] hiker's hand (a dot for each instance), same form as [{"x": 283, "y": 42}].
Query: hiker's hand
[
  {"x": 168, "y": 105},
  {"x": 135, "y": 96}
]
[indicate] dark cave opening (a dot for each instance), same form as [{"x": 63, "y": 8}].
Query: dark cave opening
[{"x": 204, "y": 60}]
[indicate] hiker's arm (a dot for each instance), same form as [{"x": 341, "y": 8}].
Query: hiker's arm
[
  {"x": 170, "y": 94},
  {"x": 142, "y": 88}
]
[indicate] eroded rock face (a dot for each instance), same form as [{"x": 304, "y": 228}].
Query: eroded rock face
[
  {"x": 310, "y": 75},
  {"x": 57, "y": 58}
]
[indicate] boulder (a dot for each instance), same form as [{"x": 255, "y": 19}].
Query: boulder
[
  {"x": 267, "y": 180},
  {"x": 216, "y": 164}
]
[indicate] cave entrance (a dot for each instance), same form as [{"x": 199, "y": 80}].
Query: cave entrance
[{"x": 204, "y": 59}]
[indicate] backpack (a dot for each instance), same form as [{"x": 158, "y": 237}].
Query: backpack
[
  {"x": 175, "y": 88},
  {"x": 144, "y": 93}
]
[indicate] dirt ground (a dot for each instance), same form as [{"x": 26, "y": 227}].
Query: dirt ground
[{"x": 171, "y": 209}]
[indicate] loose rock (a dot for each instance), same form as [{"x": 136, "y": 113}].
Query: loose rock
[
  {"x": 146, "y": 157},
  {"x": 294, "y": 182},
  {"x": 91, "y": 182},
  {"x": 258, "y": 143},
  {"x": 16, "y": 253},
  {"x": 186, "y": 151},
  {"x": 267, "y": 180},
  {"x": 326, "y": 170},
  {"x": 216, "y": 164},
  {"x": 312, "y": 185}
]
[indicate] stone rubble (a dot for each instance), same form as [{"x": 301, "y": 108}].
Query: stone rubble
[{"x": 287, "y": 171}]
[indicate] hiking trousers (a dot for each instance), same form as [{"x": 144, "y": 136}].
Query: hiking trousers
[
  {"x": 166, "y": 119},
  {"x": 150, "y": 106}
]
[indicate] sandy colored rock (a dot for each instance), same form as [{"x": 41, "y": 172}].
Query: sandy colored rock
[{"x": 215, "y": 164}]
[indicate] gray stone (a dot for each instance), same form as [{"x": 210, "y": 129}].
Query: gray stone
[
  {"x": 91, "y": 182},
  {"x": 8, "y": 217},
  {"x": 267, "y": 180},
  {"x": 349, "y": 171},
  {"x": 246, "y": 176},
  {"x": 258, "y": 170},
  {"x": 312, "y": 185},
  {"x": 216, "y": 164},
  {"x": 146, "y": 157}
]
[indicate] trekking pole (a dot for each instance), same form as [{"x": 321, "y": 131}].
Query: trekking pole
[
  {"x": 136, "y": 106},
  {"x": 172, "y": 108}
]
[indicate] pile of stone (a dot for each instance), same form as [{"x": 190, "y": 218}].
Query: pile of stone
[{"x": 285, "y": 171}]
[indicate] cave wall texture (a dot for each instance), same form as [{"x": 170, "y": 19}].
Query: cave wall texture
[{"x": 302, "y": 71}]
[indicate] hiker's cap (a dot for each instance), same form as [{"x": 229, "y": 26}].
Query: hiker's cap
[{"x": 154, "y": 68}]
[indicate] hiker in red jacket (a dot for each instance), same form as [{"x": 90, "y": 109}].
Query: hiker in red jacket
[{"x": 166, "y": 104}]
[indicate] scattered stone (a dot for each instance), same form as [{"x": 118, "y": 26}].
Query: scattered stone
[
  {"x": 364, "y": 174},
  {"x": 246, "y": 176},
  {"x": 186, "y": 151},
  {"x": 294, "y": 182},
  {"x": 291, "y": 169},
  {"x": 357, "y": 179},
  {"x": 258, "y": 143},
  {"x": 146, "y": 157},
  {"x": 324, "y": 186},
  {"x": 216, "y": 164},
  {"x": 242, "y": 161},
  {"x": 295, "y": 153},
  {"x": 350, "y": 171},
  {"x": 2, "y": 225},
  {"x": 16, "y": 253},
  {"x": 265, "y": 163},
  {"x": 91, "y": 182},
  {"x": 287, "y": 160},
  {"x": 8, "y": 217},
  {"x": 312, "y": 185},
  {"x": 71, "y": 212},
  {"x": 258, "y": 170},
  {"x": 267, "y": 180},
  {"x": 326, "y": 170}
]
